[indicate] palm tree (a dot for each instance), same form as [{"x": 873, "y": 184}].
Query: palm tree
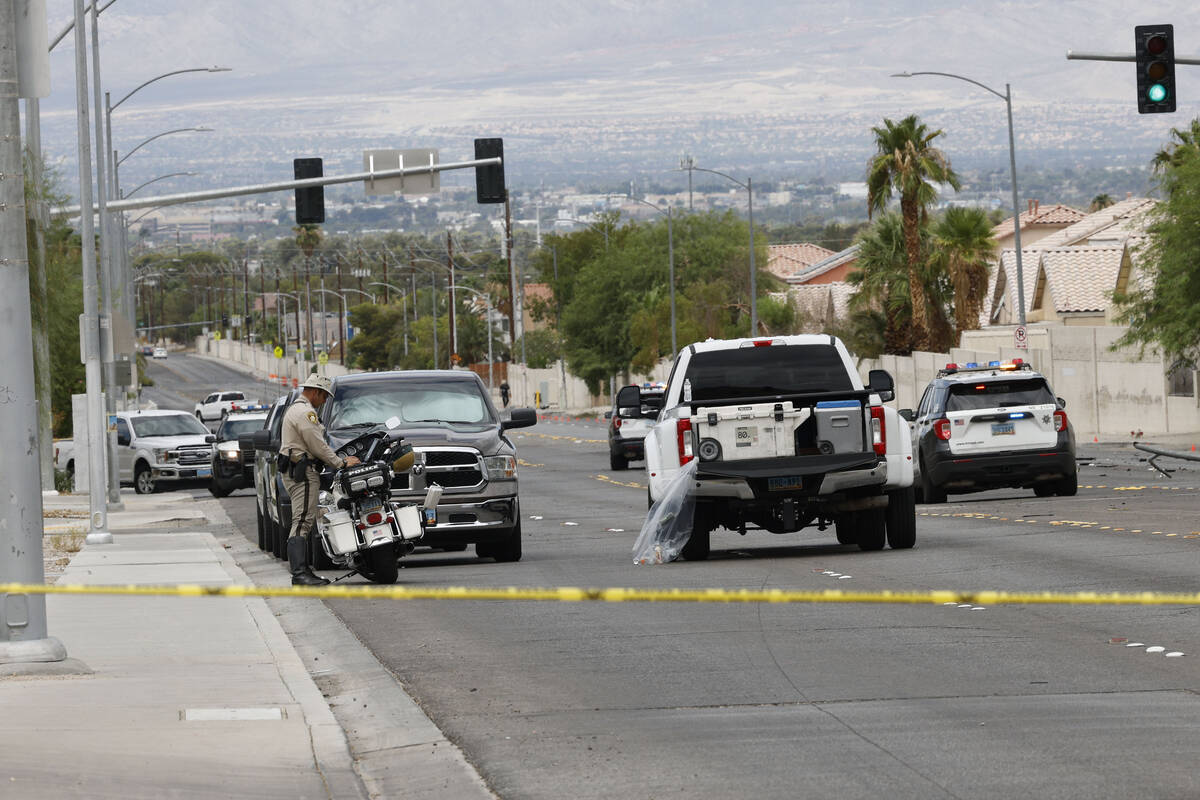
[
  {"x": 1183, "y": 144},
  {"x": 1100, "y": 202},
  {"x": 908, "y": 165},
  {"x": 964, "y": 246},
  {"x": 881, "y": 277}
]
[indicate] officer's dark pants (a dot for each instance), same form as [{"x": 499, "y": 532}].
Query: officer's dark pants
[{"x": 304, "y": 501}]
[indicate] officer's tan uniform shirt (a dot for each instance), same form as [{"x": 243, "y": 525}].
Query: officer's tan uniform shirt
[{"x": 303, "y": 433}]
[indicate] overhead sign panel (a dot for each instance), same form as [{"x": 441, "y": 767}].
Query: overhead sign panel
[{"x": 419, "y": 183}]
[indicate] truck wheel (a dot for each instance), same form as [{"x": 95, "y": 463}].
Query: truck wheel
[
  {"x": 509, "y": 549},
  {"x": 381, "y": 564},
  {"x": 1044, "y": 489},
  {"x": 901, "y": 519},
  {"x": 872, "y": 529},
  {"x": 218, "y": 489},
  {"x": 1068, "y": 486},
  {"x": 845, "y": 526},
  {"x": 697, "y": 547},
  {"x": 618, "y": 462},
  {"x": 932, "y": 493},
  {"x": 143, "y": 480},
  {"x": 279, "y": 544}
]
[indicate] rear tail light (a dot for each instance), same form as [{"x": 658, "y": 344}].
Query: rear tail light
[
  {"x": 1060, "y": 420},
  {"x": 683, "y": 433},
  {"x": 374, "y": 518},
  {"x": 878, "y": 431},
  {"x": 941, "y": 429},
  {"x": 617, "y": 423}
]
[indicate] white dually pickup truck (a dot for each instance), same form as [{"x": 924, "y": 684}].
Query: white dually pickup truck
[{"x": 786, "y": 436}]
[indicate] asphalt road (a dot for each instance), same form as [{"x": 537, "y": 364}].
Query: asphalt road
[{"x": 593, "y": 700}]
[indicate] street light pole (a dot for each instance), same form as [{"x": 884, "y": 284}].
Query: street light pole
[{"x": 1012, "y": 165}]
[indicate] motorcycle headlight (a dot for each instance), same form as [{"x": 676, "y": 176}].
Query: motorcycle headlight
[{"x": 501, "y": 468}]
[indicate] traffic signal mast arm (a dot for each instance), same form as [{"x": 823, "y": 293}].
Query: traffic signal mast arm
[
  {"x": 1073, "y": 56},
  {"x": 282, "y": 186}
]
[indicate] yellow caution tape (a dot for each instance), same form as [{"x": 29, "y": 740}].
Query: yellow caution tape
[{"x": 573, "y": 594}]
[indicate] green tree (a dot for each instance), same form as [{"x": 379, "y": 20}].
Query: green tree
[
  {"x": 541, "y": 347},
  {"x": 376, "y": 329},
  {"x": 1100, "y": 202},
  {"x": 963, "y": 246},
  {"x": 1164, "y": 311},
  {"x": 1183, "y": 145},
  {"x": 908, "y": 165}
]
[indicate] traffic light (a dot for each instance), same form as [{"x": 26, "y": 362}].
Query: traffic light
[
  {"x": 489, "y": 181},
  {"x": 1154, "y": 50},
  {"x": 310, "y": 203}
]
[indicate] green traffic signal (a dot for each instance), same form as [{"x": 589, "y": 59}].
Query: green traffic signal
[{"x": 1154, "y": 52}]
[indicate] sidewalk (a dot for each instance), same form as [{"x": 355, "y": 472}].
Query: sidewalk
[{"x": 205, "y": 697}]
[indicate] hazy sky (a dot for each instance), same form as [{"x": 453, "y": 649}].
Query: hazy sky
[{"x": 468, "y": 57}]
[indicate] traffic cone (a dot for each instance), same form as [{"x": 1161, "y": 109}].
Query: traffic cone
[{"x": 1096, "y": 439}]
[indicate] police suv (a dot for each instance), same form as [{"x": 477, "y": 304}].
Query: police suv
[{"x": 991, "y": 426}]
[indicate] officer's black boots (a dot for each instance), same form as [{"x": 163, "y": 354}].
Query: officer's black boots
[{"x": 302, "y": 574}]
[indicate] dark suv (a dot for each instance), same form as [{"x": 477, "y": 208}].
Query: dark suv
[
  {"x": 992, "y": 426},
  {"x": 233, "y": 453}
]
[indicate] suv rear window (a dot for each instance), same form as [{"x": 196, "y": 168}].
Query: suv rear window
[
  {"x": 999, "y": 394},
  {"x": 773, "y": 370}
]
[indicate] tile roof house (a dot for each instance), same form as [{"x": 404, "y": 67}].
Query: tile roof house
[
  {"x": 819, "y": 291},
  {"x": 1036, "y": 224},
  {"x": 784, "y": 260},
  {"x": 1070, "y": 274}
]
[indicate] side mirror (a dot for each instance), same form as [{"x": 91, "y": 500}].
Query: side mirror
[
  {"x": 519, "y": 418},
  {"x": 907, "y": 413},
  {"x": 1061, "y": 403},
  {"x": 880, "y": 382},
  {"x": 629, "y": 402},
  {"x": 608, "y": 414},
  {"x": 261, "y": 440},
  {"x": 209, "y": 439},
  {"x": 122, "y": 439},
  {"x": 246, "y": 443}
]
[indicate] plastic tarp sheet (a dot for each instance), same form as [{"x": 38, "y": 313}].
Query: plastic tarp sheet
[{"x": 668, "y": 526}]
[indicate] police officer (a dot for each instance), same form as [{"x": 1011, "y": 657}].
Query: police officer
[{"x": 303, "y": 443}]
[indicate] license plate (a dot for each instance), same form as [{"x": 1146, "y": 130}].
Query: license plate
[
  {"x": 204, "y": 473},
  {"x": 1003, "y": 429},
  {"x": 430, "y": 516},
  {"x": 785, "y": 483},
  {"x": 377, "y": 534}
]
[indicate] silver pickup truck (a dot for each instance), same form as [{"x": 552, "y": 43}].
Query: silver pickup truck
[
  {"x": 161, "y": 446},
  {"x": 153, "y": 447}
]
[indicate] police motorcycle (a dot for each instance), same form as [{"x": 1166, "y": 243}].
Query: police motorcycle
[{"x": 360, "y": 527}]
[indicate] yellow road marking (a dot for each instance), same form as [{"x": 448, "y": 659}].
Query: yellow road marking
[{"x": 606, "y": 479}]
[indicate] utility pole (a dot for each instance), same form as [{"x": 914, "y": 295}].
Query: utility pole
[
  {"x": 453, "y": 320},
  {"x": 98, "y": 532},
  {"x": 687, "y": 163},
  {"x": 245, "y": 296},
  {"x": 296, "y": 291},
  {"x": 107, "y": 351},
  {"x": 512, "y": 286},
  {"x": 387, "y": 298},
  {"x": 40, "y": 308},
  {"x": 23, "y": 632},
  {"x": 342, "y": 321}
]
